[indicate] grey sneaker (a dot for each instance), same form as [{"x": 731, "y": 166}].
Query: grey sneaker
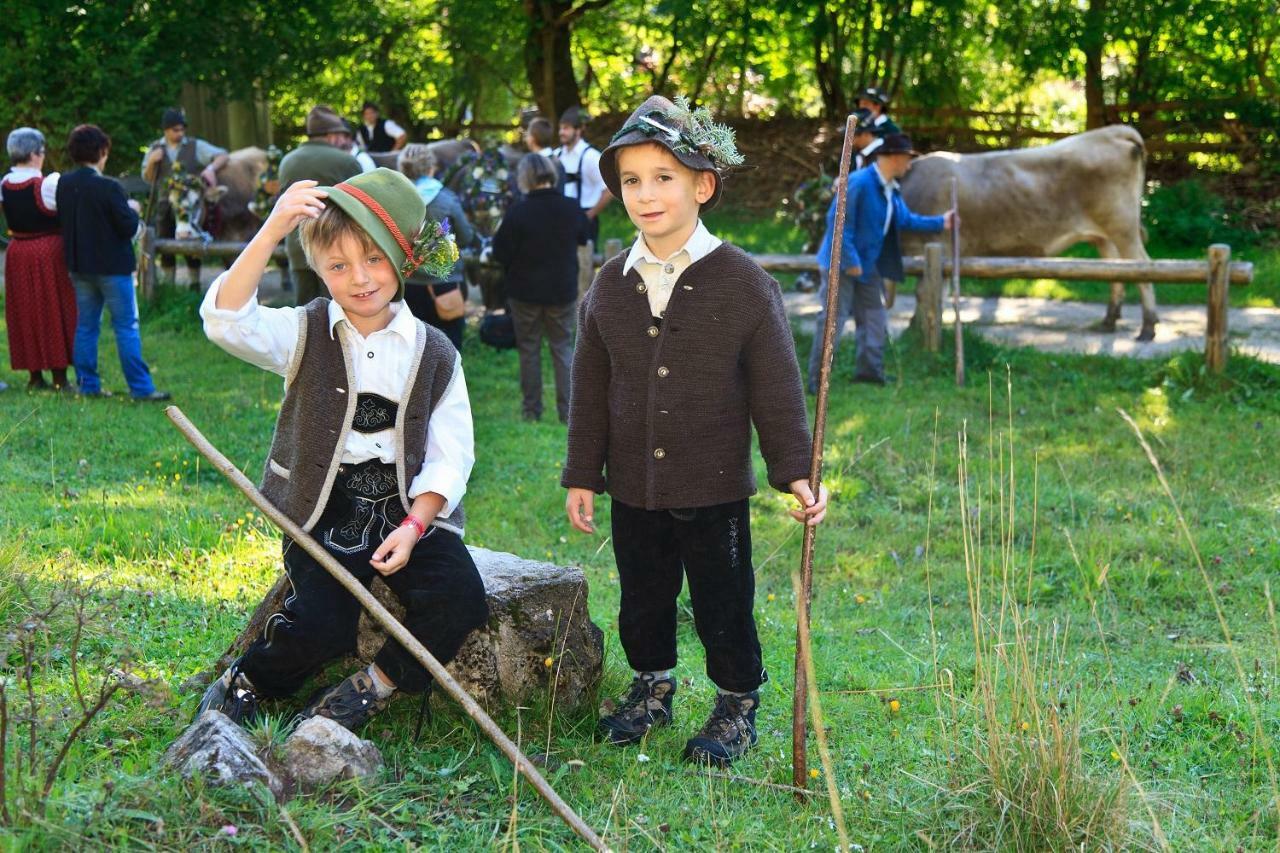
[
  {"x": 645, "y": 706},
  {"x": 232, "y": 694},
  {"x": 730, "y": 730},
  {"x": 350, "y": 703}
]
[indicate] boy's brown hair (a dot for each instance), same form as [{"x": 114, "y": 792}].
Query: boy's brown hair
[{"x": 328, "y": 228}]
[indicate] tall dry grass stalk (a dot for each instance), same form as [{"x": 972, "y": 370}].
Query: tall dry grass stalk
[{"x": 1034, "y": 789}]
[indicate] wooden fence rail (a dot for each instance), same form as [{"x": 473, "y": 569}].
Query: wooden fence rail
[{"x": 1217, "y": 270}]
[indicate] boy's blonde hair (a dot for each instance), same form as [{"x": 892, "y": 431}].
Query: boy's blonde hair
[
  {"x": 418, "y": 161},
  {"x": 328, "y": 228}
]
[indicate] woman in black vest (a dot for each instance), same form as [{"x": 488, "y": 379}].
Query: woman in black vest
[{"x": 40, "y": 305}]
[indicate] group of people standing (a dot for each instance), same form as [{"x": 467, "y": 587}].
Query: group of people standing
[{"x": 71, "y": 257}]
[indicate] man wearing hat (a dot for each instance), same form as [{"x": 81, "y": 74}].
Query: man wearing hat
[
  {"x": 197, "y": 157},
  {"x": 865, "y": 141},
  {"x": 876, "y": 103},
  {"x": 870, "y": 252},
  {"x": 580, "y": 162},
  {"x": 372, "y": 449},
  {"x": 324, "y": 157}
]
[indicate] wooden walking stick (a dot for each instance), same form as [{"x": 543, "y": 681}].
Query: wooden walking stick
[
  {"x": 389, "y": 623},
  {"x": 800, "y": 699},
  {"x": 955, "y": 281}
]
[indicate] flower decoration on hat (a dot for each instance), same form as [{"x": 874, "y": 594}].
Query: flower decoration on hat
[
  {"x": 434, "y": 250},
  {"x": 689, "y": 131}
]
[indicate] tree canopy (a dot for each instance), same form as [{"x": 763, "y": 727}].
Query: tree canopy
[{"x": 439, "y": 65}]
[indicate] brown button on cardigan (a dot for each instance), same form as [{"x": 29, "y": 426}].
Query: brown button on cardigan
[{"x": 664, "y": 421}]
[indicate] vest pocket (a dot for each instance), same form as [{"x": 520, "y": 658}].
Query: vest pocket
[{"x": 278, "y": 469}]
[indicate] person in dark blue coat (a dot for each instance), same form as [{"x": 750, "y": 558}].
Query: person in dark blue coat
[
  {"x": 537, "y": 246},
  {"x": 98, "y": 226},
  {"x": 874, "y": 215}
]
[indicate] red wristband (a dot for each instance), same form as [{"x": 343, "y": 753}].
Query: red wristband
[{"x": 410, "y": 521}]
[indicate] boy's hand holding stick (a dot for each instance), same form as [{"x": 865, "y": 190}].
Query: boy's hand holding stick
[
  {"x": 393, "y": 627},
  {"x": 800, "y": 700}
]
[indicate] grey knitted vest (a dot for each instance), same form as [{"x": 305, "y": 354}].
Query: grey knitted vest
[{"x": 319, "y": 407}]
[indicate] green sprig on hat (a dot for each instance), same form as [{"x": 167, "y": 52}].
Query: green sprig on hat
[
  {"x": 691, "y": 131},
  {"x": 435, "y": 250}
]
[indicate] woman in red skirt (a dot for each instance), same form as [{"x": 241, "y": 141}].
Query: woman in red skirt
[{"x": 40, "y": 304}]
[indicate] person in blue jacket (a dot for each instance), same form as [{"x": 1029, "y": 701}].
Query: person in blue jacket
[{"x": 874, "y": 215}]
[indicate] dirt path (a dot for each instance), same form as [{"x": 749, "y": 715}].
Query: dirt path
[{"x": 1055, "y": 326}]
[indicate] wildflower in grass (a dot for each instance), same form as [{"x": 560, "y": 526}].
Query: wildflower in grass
[
  {"x": 1115, "y": 756},
  {"x": 772, "y": 596},
  {"x": 894, "y": 706},
  {"x": 641, "y": 757},
  {"x": 859, "y": 599},
  {"x": 1024, "y": 725},
  {"x": 230, "y": 829},
  {"x": 549, "y": 662},
  {"x": 814, "y": 773}
]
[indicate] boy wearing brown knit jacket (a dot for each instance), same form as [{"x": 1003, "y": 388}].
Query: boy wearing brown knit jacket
[{"x": 683, "y": 344}]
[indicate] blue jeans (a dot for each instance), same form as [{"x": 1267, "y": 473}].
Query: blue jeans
[{"x": 116, "y": 293}]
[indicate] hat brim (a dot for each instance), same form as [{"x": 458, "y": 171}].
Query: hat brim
[
  {"x": 697, "y": 162},
  {"x": 372, "y": 225}
]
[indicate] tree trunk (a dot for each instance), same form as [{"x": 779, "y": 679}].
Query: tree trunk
[
  {"x": 1092, "y": 43},
  {"x": 548, "y": 57}
]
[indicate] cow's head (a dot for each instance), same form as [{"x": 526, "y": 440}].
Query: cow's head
[{"x": 191, "y": 200}]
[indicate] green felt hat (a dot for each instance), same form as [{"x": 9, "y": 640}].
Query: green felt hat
[{"x": 387, "y": 206}]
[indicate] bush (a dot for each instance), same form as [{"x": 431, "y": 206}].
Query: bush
[{"x": 1190, "y": 213}]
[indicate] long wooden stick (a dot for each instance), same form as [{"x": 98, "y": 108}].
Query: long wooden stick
[
  {"x": 389, "y": 623},
  {"x": 799, "y": 706},
  {"x": 955, "y": 280}
]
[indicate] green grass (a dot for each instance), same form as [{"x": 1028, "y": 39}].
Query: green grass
[{"x": 1074, "y": 527}]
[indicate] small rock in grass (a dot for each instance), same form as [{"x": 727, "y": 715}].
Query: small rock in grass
[
  {"x": 221, "y": 751},
  {"x": 321, "y": 751}
]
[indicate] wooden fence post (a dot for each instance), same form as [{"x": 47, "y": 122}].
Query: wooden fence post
[
  {"x": 612, "y": 246},
  {"x": 147, "y": 267},
  {"x": 1215, "y": 336},
  {"x": 930, "y": 306}
]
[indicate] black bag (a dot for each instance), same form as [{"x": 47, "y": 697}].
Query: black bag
[{"x": 498, "y": 330}]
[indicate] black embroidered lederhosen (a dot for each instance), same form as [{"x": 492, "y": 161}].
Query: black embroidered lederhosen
[{"x": 365, "y": 505}]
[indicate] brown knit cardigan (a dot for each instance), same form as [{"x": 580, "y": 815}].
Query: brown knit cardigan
[{"x": 660, "y": 417}]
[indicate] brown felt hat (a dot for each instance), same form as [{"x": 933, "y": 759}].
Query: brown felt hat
[
  {"x": 322, "y": 120},
  {"x": 653, "y": 122}
]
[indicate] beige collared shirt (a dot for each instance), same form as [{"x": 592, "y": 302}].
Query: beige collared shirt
[{"x": 661, "y": 274}]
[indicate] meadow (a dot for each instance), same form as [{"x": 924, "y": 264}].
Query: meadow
[{"x": 1019, "y": 644}]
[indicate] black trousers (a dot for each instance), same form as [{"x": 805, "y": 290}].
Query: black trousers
[
  {"x": 655, "y": 550},
  {"x": 441, "y": 591}
]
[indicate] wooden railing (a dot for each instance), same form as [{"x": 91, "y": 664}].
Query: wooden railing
[{"x": 1218, "y": 271}]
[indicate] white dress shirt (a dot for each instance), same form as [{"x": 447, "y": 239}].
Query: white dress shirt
[
  {"x": 888, "y": 187},
  {"x": 660, "y": 275},
  {"x": 48, "y": 187},
  {"x": 585, "y": 161},
  {"x": 267, "y": 337}
]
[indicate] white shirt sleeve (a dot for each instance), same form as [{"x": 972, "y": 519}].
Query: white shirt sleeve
[
  {"x": 264, "y": 337},
  {"x": 394, "y": 130},
  {"x": 593, "y": 181},
  {"x": 49, "y": 191},
  {"x": 450, "y": 453}
]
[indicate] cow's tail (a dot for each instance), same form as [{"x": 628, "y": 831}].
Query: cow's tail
[{"x": 1138, "y": 152}]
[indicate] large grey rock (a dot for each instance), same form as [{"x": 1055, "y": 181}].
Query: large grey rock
[
  {"x": 537, "y": 613},
  {"x": 219, "y": 750},
  {"x": 320, "y": 751}
]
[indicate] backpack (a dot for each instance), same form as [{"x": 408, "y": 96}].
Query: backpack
[{"x": 498, "y": 330}]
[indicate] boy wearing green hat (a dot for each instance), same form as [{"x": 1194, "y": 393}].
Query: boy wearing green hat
[
  {"x": 372, "y": 447},
  {"x": 683, "y": 343}
]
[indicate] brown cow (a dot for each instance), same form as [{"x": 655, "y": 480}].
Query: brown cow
[{"x": 1037, "y": 202}]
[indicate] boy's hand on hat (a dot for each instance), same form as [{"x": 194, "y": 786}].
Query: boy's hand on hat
[
  {"x": 303, "y": 200},
  {"x": 811, "y": 511},
  {"x": 580, "y": 505},
  {"x": 394, "y": 551}
]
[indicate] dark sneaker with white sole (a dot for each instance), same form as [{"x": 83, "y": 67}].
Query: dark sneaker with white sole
[
  {"x": 350, "y": 703},
  {"x": 647, "y": 705},
  {"x": 730, "y": 730},
  {"x": 232, "y": 694}
]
